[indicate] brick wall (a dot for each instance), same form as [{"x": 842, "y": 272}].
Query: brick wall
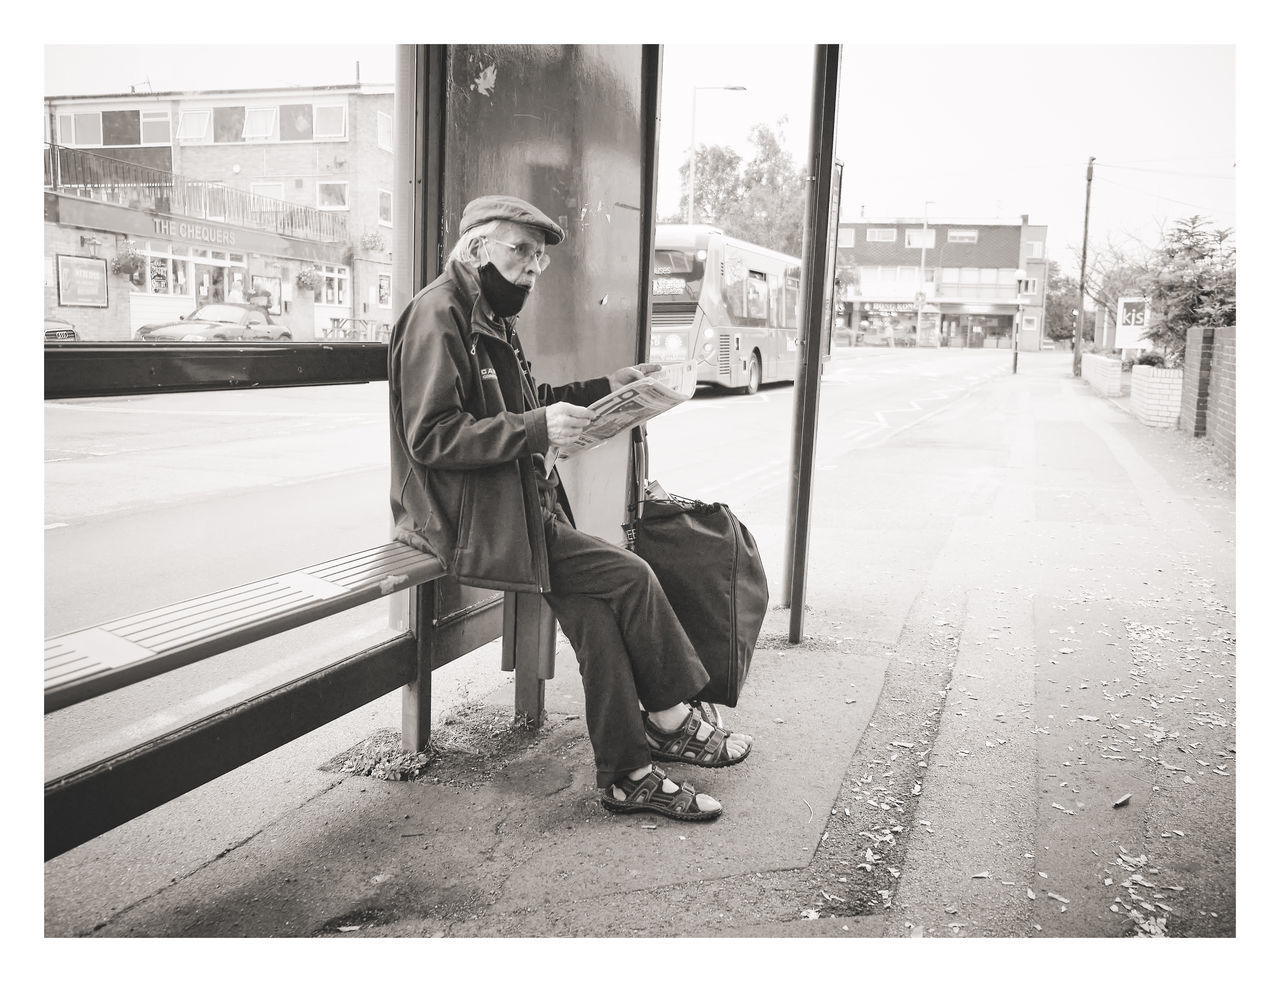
[
  {"x": 1197, "y": 368},
  {"x": 1156, "y": 394},
  {"x": 1220, "y": 415},
  {"x": 1102, "y": 374},
  {"x": 92, "y": 323}
]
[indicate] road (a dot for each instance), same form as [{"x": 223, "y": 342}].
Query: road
[
  {"x": 1012, "y": 714},
  {"x": 155, "y": 499}
]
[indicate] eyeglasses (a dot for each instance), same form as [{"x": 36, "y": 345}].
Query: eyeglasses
[{"x": 524, "y": 252}]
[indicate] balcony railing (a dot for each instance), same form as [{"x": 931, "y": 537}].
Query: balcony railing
[{"x": 120, "y": 182}]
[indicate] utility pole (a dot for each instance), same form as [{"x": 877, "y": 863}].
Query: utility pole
[{"x": 1084, "y": 248}]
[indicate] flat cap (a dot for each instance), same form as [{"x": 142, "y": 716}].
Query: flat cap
[{"x": 507, "y": 208}]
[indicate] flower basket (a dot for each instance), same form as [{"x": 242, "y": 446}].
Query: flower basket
[
  {"x": 128, "y": 263},
  {"x": 308, "y": 278},
  {"x": 373, "y": 241}
]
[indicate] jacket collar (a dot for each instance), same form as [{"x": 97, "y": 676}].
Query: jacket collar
[{"x": 483, "y": 319}]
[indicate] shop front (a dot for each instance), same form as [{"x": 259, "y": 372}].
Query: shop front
[
  {"x": 163, "y": 267},
  {"x": 971, "y": 326}
]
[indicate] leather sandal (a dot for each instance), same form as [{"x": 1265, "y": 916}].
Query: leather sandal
[
  {"x": 683, "y": 745},
  {"x": 646, "y": 795}
]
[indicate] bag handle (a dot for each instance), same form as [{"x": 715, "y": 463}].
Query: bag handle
[{"x": 639, "y": 460}]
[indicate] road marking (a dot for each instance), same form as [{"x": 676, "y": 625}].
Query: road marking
[{"x": 55, "y": 525}]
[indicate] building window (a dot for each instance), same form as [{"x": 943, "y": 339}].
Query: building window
[
  {"x": 156, "y": 128},
  {"x": 384, "y": 131},
  {"x": 1030, "y": 322},
  {"x": 969, "y": 274},
  {"x": 1028, "y": 287},
  {"x": 384, "y": 290},
  {"x": 260, "y": 123},
  {"x": 296, "y": 122},
  {"x": 333, "y": 288},
  {"x": 168, "y": 270},
  {"x": 1006, "y": 277},
  {"x": 331, "y": 195},
  {"x": 1035, "y": 250},
  {"x": 916, "y": 237},
  {"x": 882, "y": 235},
  {"x": 121, "y": 129},
  {"x": 950, "y": 274},
  {"x": 846, "y": 237},
  {"x": 88, "y": 129},
  {"x": 228, "y": 124},
  {"x": 193, "y": 125},
  {"x": 962, "y": 236},
  {"x": 331, "y": 123},
  {"x": 384, "y": 208}
]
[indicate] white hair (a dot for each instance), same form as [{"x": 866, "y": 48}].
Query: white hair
[{"x": 466, "y": 251}]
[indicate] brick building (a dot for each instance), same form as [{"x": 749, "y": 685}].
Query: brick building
[
  {"x": 158, "y": 202},
  {"x": 971, "y": 284}
]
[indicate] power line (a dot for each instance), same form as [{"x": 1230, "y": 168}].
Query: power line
[
  {"x": 1162, "y": 197},
  {"x": 1177, "y": 173}
]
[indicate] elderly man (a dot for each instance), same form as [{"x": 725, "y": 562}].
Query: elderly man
[{"x": 470, "y": 484}]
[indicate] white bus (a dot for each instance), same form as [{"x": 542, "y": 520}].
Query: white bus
[{"x": 731, "y": 306}]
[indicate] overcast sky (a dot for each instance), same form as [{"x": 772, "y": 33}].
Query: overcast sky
[{"x": 977, "y": 130}]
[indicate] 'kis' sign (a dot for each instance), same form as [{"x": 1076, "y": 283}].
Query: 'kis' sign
[{"x": 1132, "y": 314}]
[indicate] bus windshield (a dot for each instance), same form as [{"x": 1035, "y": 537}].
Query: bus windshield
[{"x": 677, "y": 274}]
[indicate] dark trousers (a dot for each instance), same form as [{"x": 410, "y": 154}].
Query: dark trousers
[{"x": 631, "y": 648}]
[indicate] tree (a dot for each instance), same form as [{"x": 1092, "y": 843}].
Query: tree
[
  {"x": 1062, "y": 296},
  {"x": 770, "y": 210},
  {"x": 1191, "y": 283},
  {"x": 1115, "y": 270},
  {"x": 719, "y": 185},
  {"x": 762, "y": 202}
]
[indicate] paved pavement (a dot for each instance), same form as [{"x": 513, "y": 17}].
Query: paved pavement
[{"x": 1020, "y": 611}]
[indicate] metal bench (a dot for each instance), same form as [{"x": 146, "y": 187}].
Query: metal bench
[
  {"x": 88, "y": 663},
  {"x": 83, "y": 664}
]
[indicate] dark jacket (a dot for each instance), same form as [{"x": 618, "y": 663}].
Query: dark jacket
[{"x": 469, "y": 430}]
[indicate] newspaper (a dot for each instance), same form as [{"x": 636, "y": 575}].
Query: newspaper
[{"x": 633, "y": 404}]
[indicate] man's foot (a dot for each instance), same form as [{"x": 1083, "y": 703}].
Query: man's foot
[
  {"x": 653, "y": 791},
  {"x": 692, "y": 740}
]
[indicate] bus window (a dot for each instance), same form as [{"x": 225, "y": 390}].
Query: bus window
[
  {"x": 793, "y": 299},
  {"x": 677, "y": 275},
  {"x": 757, "y": 297},
  {"x": 775, "y": 301},
  {"x": 735, "y": 273}
]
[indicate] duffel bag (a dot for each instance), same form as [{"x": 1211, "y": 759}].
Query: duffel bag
[{"x": 710, "y": 569}]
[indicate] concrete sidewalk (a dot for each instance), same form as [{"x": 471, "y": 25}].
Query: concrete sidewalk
[{"x": 913, "y": 769}]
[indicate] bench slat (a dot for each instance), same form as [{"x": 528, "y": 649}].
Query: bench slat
[{"x": 87, "y": 663}]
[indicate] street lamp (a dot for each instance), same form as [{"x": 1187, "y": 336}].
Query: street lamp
[
  {"x": 1019, "y": 275},
  {"x": 693, "y": 138}
]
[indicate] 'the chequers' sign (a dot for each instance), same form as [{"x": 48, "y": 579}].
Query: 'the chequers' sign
[{"x": 194, "y": 231}]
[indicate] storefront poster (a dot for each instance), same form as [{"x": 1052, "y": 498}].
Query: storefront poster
[{"x": 82, "y": 281}]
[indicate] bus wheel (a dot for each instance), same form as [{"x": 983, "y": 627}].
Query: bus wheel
[{"x": 753, "y": 376}]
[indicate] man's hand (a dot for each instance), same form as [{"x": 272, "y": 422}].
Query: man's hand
[
  {"x": 629, "y": 374},
  {"x": 565, "y": 421}
]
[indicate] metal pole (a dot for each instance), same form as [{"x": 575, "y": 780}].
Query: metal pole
[
  {"x": 826, "y": 91},
  {"x": 924, "y": 225},
  {"x": 1017, "y": 329},
  {"x": 1084, "y": 248},
  {"x": 693, "y": 155}
]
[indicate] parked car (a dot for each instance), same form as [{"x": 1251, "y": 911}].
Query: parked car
[
  {"x": 57, "y": 329},
  {"x": 219, "y": 322}
]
